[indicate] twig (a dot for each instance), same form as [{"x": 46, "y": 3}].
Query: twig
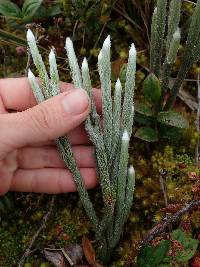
[
  {"x": 123, "y": 14},
  {"x": 162, "y": 179},
  {"x": 197, "y": 121},
  {"x": 42, "y": 226},
  {"x": 102, "y": 29},
  {"x": 74, "y": 29},
  {"x": 160, "y": 228}
]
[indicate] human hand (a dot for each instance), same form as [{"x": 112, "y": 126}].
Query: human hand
[{"x": 29, "y": 161}]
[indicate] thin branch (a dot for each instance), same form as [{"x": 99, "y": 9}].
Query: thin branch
[
  {"x": 161, "y": 227},
  {"x": 197, "y": 121},
  {"x": 123, "y": 14},
  {"x": 102, "y": 30},
  {"x": 33, "y": 239},
  {"x": 162, "y": 180}
]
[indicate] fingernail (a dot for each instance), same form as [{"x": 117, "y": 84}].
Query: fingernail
[{"x": 75, "y": 102}]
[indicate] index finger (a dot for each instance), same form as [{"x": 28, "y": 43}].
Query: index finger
[{"x": 16, "y": 94}]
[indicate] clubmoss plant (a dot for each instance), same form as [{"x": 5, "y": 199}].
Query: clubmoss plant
[
  {"x": 111, "y": 141},
  {"x": 155, "y": 115},
  {"x": 168, "y": 21}
]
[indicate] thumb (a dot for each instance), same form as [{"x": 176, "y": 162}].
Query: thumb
[{"x": 46, "y": 121}]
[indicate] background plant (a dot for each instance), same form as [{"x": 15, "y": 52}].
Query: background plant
[
  {"x": 179, "y": 250},
  {"x": 156, "y": 113},
  {"x": 31, "y": 9}
]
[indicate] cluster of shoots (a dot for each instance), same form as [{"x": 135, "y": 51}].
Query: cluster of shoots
[
  {"x": 109, "y": 137},
  {"x": 167, "y": 21}
]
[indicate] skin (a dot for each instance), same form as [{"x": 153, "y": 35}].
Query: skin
[{"x": 29, "y": 161}]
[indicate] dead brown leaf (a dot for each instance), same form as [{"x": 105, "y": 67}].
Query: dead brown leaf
[{"x": 89, "y": 251}]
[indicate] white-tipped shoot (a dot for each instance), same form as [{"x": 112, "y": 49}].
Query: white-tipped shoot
[
  {"x": 86, "y": 80},
  {"x": 30, "y": 75},
  {"x": 125, "y": 136},
  {"x": 129, "y": 90},
  {"x": 107, "y": 43},
  {"x": 177, "y": 34},
  {"x": 100, "y": 56},
  {"x": 68, "y": 43},
  {"x": 133, "y": 109},
  {"x": 52, "y": 57},
  {"x": 30, "y": 36},
  {"x": 174, "y": 46},
  {"x": 35, "y": 87},
  {"x": 118, "y": 85},
  {"x": 131, "y": 171},
  {"x": 54, "y": 74},
  {"x": 84, "y": 64},
  {"x": 132, "y": 51},
  {"x": 73, "y": 63}
]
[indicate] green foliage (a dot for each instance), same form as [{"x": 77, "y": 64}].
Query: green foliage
[
  {"x": 6, "y": 204},
  {"x": 147, "y": 134},
  {"x": 30, "y": 10},
  {"x": 9, "y": 37},
  {"x": 152, "y": 88},
  {"x": 9, "y": 9},
  {"x": 189, "y": 246},
  {"x": 155, "y": 86},
  {"x": 172, "y": 118},
  {"x": 150, "y": 256},
  {"x": 158, "y": 125},
  {"x": 170, "y": 133}
]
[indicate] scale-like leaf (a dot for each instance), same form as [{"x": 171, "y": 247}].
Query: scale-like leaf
[
  {"x": 173, "y": 118},
  {"x": 147, "y": 134}
]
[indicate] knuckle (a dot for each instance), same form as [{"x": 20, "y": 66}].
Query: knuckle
[
  {"x": 34, "y": 184},
  {"x": 46, "y": 156},
  {"x": 59, "y": 182}
]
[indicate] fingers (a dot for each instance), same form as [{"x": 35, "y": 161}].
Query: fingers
[
  {"x": 17, "y": 95},
  {"x": 2, "y": 108},
  {"x": 48, "y": 157},
  {"x": 5, "y": 181},
  {"x": 51, "y": 181},
  {"x": 77, "y": 136},
  {"x": 53, "y": 118}
]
